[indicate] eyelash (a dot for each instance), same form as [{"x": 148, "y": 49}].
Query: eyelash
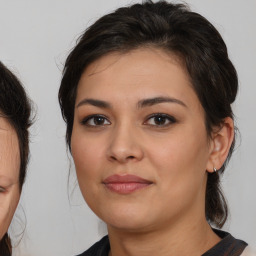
[
  {"x": 86, "y": 120},
  {"x": 165, "y": 117}
]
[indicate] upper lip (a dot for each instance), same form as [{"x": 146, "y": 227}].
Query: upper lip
[{"x": 127, "y": 178}]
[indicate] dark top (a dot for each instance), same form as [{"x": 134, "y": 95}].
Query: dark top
[{"x": 228, "y": 246}]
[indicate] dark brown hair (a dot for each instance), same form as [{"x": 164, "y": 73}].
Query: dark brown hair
[
  {"x": 174, "y": 29},
  {"x": 15, "y": 106}
]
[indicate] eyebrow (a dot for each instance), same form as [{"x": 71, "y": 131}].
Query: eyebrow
[
  {"x": 141, "y": 104},
  {"x": 158, "y": 100},
  {"x": 93, "y": 102}
]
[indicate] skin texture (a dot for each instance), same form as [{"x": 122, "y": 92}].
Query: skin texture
[
  {"x": 9, "y": 174},
  {"x": 174, "y": 155}
]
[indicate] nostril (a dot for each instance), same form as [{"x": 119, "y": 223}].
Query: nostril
[{"x": 113, "y": 158}]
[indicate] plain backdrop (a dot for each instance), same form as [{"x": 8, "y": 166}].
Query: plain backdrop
[{"x": 35, "y": 38}]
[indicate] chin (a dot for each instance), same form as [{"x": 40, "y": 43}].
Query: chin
[
  {"x": 126, "y": 219},
  {"x": 127, "y": 226}
]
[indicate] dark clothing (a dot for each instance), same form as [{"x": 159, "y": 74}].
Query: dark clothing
[
  {"x": 101, "y": 248},
  {"x": 228, "y": 246}
]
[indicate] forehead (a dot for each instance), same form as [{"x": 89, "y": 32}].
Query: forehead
[
  {"x": 142, "y": 73},
  {"x": 9, "y": 152},
  {"x": 140, "y": 55}
]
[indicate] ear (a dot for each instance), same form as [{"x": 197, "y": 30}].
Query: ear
[{"x": 221, "y": 140}]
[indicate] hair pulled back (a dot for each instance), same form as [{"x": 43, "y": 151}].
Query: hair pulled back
[
  {"x": 174, "y": 29},
  {"x": 15, "y": 106}
]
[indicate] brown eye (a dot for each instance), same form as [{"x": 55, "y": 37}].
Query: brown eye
[
  {"x": 160, "y": 120},
  {"x": 96, "y": 120}
]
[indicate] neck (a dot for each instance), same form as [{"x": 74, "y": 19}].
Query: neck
[{"x": 193, "y": 238}]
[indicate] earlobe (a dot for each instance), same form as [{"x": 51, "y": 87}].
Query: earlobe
[{"x": 221, "y": 142}]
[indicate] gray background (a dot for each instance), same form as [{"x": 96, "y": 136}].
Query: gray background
[{"x": 35, "y": 38}]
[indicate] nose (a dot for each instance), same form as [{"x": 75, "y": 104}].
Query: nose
[{"x": 124, "y": 145}]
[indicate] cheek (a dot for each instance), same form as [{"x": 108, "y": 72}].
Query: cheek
[
  {"x": 88, "y": 158},
  {"x": 180, "y": 161},
  {"x": 176, "y": 151},
  {"x": 8, "y": 205}
]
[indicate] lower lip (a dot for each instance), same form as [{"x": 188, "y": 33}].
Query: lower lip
[{"x": 126, "y": 188}]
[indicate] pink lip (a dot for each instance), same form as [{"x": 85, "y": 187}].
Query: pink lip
[{"x": 125, "y": 184}]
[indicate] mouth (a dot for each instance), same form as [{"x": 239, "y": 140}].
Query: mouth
[{"x": 125, "y": 184}]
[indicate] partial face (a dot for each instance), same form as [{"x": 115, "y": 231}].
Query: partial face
[
  {"x": 139, "y": 141},
  {"x": 9, "y": 174}
]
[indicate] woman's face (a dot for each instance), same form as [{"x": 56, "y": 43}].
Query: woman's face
[
  {"x": 139, "y": 141},
  {"x": 9, "y": 174}
]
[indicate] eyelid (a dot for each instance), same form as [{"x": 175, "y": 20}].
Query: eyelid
[
  {"x": 87, "y": 118},
  {"x": 171, "y": 119}
]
